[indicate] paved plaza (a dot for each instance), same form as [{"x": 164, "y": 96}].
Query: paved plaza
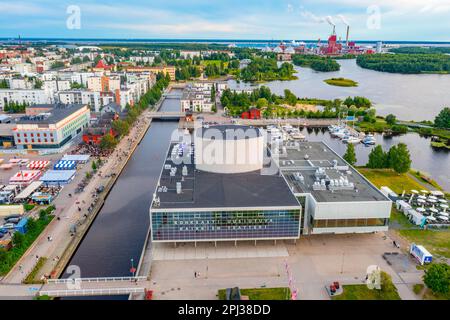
[{"x": 314, "y": 261}]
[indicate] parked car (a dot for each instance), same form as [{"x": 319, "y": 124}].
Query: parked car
[
  {"x": 12, "y": 220},
  {"x": 13, "y": 216},
  {"x": 8, "y": 226}
]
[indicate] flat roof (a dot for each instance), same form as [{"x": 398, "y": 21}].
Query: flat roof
[
  {"x": 306, "y": 157},
  {"x": 58, "y": 175},
  {"x": 76, "y": 157},
  {"x": 202, "y": 189},
  {"x": 229, "y": 132},
  {"x": 58, "y": 113}
]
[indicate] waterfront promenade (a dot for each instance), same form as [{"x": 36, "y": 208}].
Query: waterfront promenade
[{"x": 59, "y": 251}]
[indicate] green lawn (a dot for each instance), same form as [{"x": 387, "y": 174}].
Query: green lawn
[
  {"x": 399, "y": 221},
  {"x": 379, "y": 126},
  {"x": 8, "y": 258},
  {"x": 362, "y": 292},
  {"x": 30, "y": 277},
  {"x": 262, "y": 293},
  {"x": 386, "y": 177},
  {"x": 425, "y": 179},
  {"x": 341, "y": 82},
  {"x": 437, "y": 242}
]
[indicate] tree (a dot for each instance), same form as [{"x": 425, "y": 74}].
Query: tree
[
  {"x": 121, "y": 127},
  {"x": 350, "y": 155},
  {"x": 18, "y": 239},
  {"x": 262, "y": 103},
  {"x": 377, "y": 158},
  {"x": 391, "y": 119},
  {"x": 401, "y": 162},
  {"x": 290, "y": 98},
  {"x": 442, "y": 120},
  {"x": 4, "y": 84},
  {"x": 437, "y": 278},
  {"x": 38, "y": 84},
  {"x": 94, "y": 166},
  {"x": 213, "y": 93},
  {"x": 391, "y": 157},
  {"x": 108, "y": 142}
]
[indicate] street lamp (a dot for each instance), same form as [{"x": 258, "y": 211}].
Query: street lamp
[{"x": 133, "y": 269}]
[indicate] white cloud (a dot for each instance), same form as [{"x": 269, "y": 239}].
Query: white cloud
[{"x": 20, "y": 9}]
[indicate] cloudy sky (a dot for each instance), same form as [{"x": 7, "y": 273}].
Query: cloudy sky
[{"x": 227, "y": 19}]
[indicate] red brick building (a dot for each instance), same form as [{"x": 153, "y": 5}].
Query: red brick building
[{"x": 253, "y": 114}]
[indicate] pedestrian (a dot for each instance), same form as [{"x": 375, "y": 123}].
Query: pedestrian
[{"x": 195, "y": 274}]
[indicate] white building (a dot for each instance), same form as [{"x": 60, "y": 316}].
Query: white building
[
  {"x": 24, "y": 96},
  {"x": 53, "y": 86},
  {"x": 95, "y": 100},
  {"x": 144, "y": 59},
  {"x": 23, "y": 68},
  {"x": 20, "y": 84},
  {"x": 336, "y": 198},
  {"x": 53, "y": 129}
]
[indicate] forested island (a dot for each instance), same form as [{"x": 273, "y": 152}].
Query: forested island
[
  {"x": 421, "y": 50},
  {"x": 266, "y": 69},
  {"x": 317, "y": 63},
  {"x": 407, "y": 63},
  {"x": 291, "y": 106}
]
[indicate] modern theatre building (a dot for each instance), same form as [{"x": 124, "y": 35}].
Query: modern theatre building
[
  {"x": 212, "y": 196},
  {"x": 228, "y": 185}
]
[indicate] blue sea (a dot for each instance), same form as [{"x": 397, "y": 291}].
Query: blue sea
[{"x": 238, "y": 42}]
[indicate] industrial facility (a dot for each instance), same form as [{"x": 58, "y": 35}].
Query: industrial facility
[{"x": 220, "y": 188}]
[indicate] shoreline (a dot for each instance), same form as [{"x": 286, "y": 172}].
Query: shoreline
[
  {"x": 59, "y": 255},
  {"x": 77, "y": 240}
]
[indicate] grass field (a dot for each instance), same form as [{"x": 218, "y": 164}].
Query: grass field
[
  {"x": 362, "y": 292},
  {"x": 399, "y": 221},
  {"x": 262, "y": 293},
  {"x": 379, "y": 126},
  {"x": 425, "y": 179},
  {"x": 216, "y": 62},
  {"x": 437, "y": 242},
  {"x": 386, "y": 177},
  {"x": 341, "y": 82}
]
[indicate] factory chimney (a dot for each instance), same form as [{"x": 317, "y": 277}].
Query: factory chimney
[{"x": 346, "y": 38}]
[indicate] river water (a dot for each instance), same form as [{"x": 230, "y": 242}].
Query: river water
[
  {"x": 118, "y": 233},
  {"x": 409, "y": 97}
]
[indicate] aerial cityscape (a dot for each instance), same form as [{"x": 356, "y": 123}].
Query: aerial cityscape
[{"x": 226, "y": 151}]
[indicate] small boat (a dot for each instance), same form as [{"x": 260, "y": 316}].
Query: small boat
[
  {"x": 353, "y": 140},
  {"x": 298, "y": 136},
  {"x": 369, "y": 140},
  {"x": 340, "y": 134}
]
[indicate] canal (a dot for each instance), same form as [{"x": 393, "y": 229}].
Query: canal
[{"x": 119, "y": 231}]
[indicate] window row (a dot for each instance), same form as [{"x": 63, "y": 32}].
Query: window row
[{"x": 348, "y": 223}]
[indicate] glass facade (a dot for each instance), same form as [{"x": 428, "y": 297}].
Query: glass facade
[
  {"x": 225, "y": 225},
  {"x": 349, "y": 223}
]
